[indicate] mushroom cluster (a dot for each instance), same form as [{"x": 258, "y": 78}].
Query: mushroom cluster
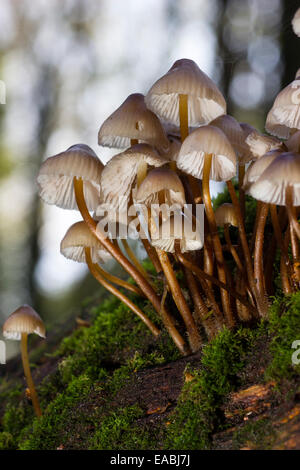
[{"x": 171, "y": 144}]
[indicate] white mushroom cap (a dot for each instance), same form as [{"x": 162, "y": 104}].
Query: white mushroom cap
[
  {"x": 208, "y": 140},
  {"x": 77, "y": 238},
  {"x": 260, "y": 144},
  {"x": 296, "y": 22},
  {"x": 226, "y": 214},
  {"x": 205, "y": 101},
  {"x": 271, "y": 186},
  {"x": 234, "y": 133},
  {"x": 161, "y": 179},
  {"x": 255, "y": 170},
  {"x": 133, "y": 120},
  {"x": 120, "y": 172},
  {"x": 284, "y": 115},
  {"x": 23, "y": 320},
  {"x": 55, "y": 178},
  {"x": 180, "y": 228}
]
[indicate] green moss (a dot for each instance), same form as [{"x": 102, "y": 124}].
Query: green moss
[
  {"x": 6, "y": 441},
  {"x": 118, "y": 431},
  {"x": 284, "y": 328},
  {"x": 198, "y": 409},
  {"x": 257, "y": 434}
]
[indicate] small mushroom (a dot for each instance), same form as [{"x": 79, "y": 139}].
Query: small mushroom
[{"x": 18, "y": 326}]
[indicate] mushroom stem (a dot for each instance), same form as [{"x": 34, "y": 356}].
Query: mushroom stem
[
  {"x": 144, "y": 285},
  {"x": 258, "y": 251},
  {"x": 120, "y": 282},
  {"x": 241, "y": 191},
  {"x": 215, "y": 239},
  {"x": 194, "y": 337},
  {"x": 134, "y": 259},
  {"x": 202, "y": 275},
  {"x": 232, "y": 249},
  {"x": 113, "y": 290},
  {"x": 141, "y": 173},
  {"x": 261, "y": 302},
  {"x": 27, "y": 372},
  {"x": 287, "y": 285},
  {"x": 152, "y": 255},
  {"x": 280, "y": 242},
  {"x": 294, "y": 230}
]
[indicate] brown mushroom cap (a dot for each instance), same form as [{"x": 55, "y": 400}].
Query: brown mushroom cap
[
  {"x": 208, "y": 140},
  {"x": 133, "y": 120},
  {"x": 226, "y": 214},
  {"x": 120, "y": 172},
  {"x": 234, "y": 133},
  {"x": 296, "y": 22},
  {"x": 260, "y": 144},
  {"x": 177, "y": 228},
  {"x": 255, "y": 170},
  {"x": 77, "y": 238},
  {"x": 23, "y": 320},
  {"x": 55, "y": 178},
  {"x": 205, "y": 101},
  {"x": 271, "y": 186},
  {"x": 284, "y": 115},
  {"x": 161, "y": 179}
]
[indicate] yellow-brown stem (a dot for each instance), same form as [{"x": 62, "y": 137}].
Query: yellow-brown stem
[
  {"x": 215, "y": 239},
  {"x": 241, "y": 191},
  {"x": 113, "y": 290},
  {"x": 134, "y": 259},
  {"x": 27, "y": 372},
  {"x": 141, "y": 173},
  {"x": 194, "y": 337},
  {"x": 119, "y": 282},
  {"x": 280, "y": 242},
  {"x": 294, "y": 232},
  {"x": 232, "y": 249},
  {"x": 258, "y": 252}
]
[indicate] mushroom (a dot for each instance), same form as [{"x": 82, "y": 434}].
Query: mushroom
[
  {"x": 18, "y": 326},
  {"x": 131, "y": 123},
  {"x": 80, "y": 245},
  {"x": 56, "y": 174},
  {"x": 296, "y": 22},
  {"x": 207, "y": 153}
]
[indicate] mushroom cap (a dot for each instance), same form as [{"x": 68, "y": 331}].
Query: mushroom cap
[
  {"x": 205, "y": 101},
  {"x": 271, "y": 186},
  {"x": 234, "y": 133},
  {"x": 225, "y": 214},
  {"x": 180, "y": 228},
  {"x": 161, "y": 179},
  {"x": 77, "y": 238},
  {"x": 255, "y": 170},
  {"x": 133, "y": 120},
  {"x": 284, "y": 115},
  {"x": 208, "y": 140},
  {"x": 55, "y": 178},
  {"x": 296, "y": 22},
  {"x": 260, "y": 144},
  {"x": 174, "y": 149},
  {"x": 23, "y": 320},
  {"x": 120, "y": 172}
]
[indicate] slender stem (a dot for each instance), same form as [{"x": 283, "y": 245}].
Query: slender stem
[
  {"x": 202, "y": 314},
  {"x": 150, "y": 250},
  {"x": 215, "y": 239},
  {"x": 258, "y": 251},
  {"x": 141, "y": 173},
  {"x": 232, "y": 249},
  {"x": 252, "y": 242},
  {"x": 120, "y": 282},
  {"x": 134, "y": 259},
  {"x": 241, "y": 169},
  {"x": 287, "y": 285},
  {"x": 27, "y": 372},
  {"x": 113, "y": 290},
  {"x": 202, "y": 275},
  {"x": 144, "y": 285},
  {"x": 294, "y": 232},
  {"x": 194, "y": 337},
  {"x": 183, "y": 116},
  {"x": 261, "y": 302},
  {"x": 134, "y": 142}
]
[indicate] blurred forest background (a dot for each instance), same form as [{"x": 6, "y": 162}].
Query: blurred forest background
[{"x": 68, "y": 64}]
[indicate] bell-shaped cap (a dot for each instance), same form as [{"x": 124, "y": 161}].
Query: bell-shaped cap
[
  {"x": 157, "y": 180},
  {"x": 234, "y": 133},
  {"x": 260, "y": 144},
  {"x": 205, "y": 101},
  {"x": 119, "y": 174},
  {"x": 23, "y": 320},
  {"x": 283, "y": 172},
  {"x": 226, "y": 215},
  {"x": 77, "y": 238},
  {"x": 284, "y": 115},
  {"x": 296, "y": 22},
  {"x": 55, "y": 177},
  {"x": 255, "y": 170},
  {"x": 208, "y": 140},
  {"x": 179, "y": 228},
  {"x": 133, "y": 120}
]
